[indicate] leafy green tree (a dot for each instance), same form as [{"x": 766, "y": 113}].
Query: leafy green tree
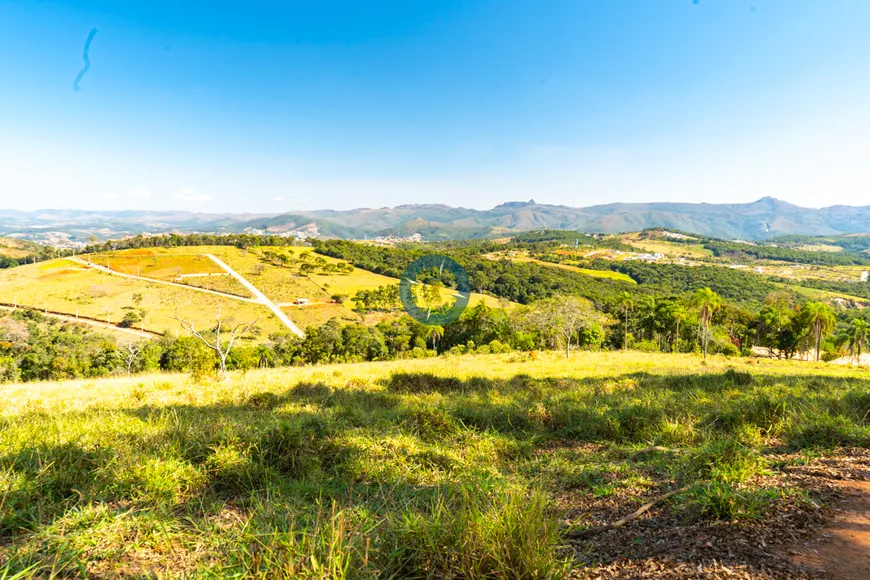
[
  {"x": 479, "y": 324},
  {"x": 130, "y": 319}
]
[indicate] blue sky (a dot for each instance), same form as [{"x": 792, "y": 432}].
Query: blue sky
[{"x": 218, "y": 106}]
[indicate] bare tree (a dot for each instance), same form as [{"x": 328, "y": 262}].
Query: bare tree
[
  {"x": 218, "y": 345},
  {"x": 130, "y": 353},
  {"x": 562, "y": 317}
]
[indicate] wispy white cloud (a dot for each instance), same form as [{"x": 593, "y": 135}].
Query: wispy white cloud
[
  {"x": 189, "y": 194},
  {"x": 277, "y": 198},
  {"x": 110, "y": 196}
]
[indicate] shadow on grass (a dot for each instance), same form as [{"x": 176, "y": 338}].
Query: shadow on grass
[{"x": 298, "y": 443}]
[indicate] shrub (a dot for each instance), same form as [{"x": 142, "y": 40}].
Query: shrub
[
  {"x": 727, "y": 349},
  {"x": 130, "y": 319},
  {"x": 645, "y": 346},
  {"x": 497, "y": 347}
]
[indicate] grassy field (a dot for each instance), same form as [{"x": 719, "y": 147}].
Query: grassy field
[
  {"x": 465, "y": 467},
  {"x": 67, "y": 287},
  {"x": 820, "y": 248},
  {"x": 670, "y": 249},
  {"x": 14, "y": 248},
  {"x": 159, "y": 263},
  {"x": 822, "y": 295},
  {"x": 607, "y": 274}
]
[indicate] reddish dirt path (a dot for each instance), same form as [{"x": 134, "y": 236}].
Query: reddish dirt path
[{"x": 842, "y": 550}]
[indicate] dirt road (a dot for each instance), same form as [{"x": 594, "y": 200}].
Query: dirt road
[
  {"x": 842, "y": 551},
  {"x": 106, "y": 270},
  {"x": 90, "y": 322},
  {"x": 261, "y": 298}
]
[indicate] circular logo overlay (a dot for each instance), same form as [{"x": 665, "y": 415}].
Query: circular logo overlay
[{"x": 434, "y": 290}]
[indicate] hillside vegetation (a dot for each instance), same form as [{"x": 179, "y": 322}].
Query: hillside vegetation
[{"x": 484, "y": 467}]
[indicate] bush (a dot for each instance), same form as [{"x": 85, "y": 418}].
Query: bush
[
  {"x": 497, "y": 347},
  {"x": 645, "y": 346},
  {"x": 727, "y": 349},
  {"x": 130, "y": 319}
]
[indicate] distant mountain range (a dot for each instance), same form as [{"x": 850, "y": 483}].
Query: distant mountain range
[{"x": 765, "y": 218}]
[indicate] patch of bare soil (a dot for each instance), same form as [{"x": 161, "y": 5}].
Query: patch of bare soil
[
  {"x": 823, "y": 535},
  {"x": 842, "y": 550}
]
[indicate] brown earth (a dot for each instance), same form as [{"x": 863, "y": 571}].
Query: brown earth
[
  {"x": 825, "y": 535},
  {"x": 842, "y": 550}
]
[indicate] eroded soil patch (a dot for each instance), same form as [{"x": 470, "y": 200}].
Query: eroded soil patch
[{"x": 824, "y": 534}]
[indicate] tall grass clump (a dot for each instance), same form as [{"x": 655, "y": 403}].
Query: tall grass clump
[{"x": 509, "y": 534}]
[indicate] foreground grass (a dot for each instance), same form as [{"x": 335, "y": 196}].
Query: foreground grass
[{"x": 409, "y": 469}]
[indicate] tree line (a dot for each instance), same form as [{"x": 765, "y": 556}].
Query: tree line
[{"x": 34, "y": 347}]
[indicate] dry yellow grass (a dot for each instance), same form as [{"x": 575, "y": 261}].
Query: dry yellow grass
[
  {"x": 521, "y": 256},
  {"x": 820, "y": 248},
  {"x": 71, "y": 288},
  {"x": 669, "y": 249},
  {"x": 14, "y": 248},
  {"x": 67, "y": 287},
  {"x": 155, "y": 263}
]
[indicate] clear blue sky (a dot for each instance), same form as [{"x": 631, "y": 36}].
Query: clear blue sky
[{"x": 275, "y": 106}]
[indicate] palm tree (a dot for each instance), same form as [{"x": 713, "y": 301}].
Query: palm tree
[
  {"x": 858, "y": 334},
  {"x": 647, "y": 313},
  {"x": 679, "y": 313},
  {"x": 708, "y": 303},
  {"x": 626, "y": 305},
  {"x": 820, "y": 319},
  {"x": 436, "y": 333}
]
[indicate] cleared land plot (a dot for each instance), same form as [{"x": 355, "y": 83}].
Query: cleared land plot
[
  {"x": 13, "y": 248},
  {"x": 823, "y": 295},
  {"x": 670, "y": 249},
  {"x": 283, "y": 284},
  {"x": 820, "y": 248},
  {"x": 811, "y": 272},
  {"x": 318, "y": 313},
  {"x": 67, "y": 287},
  {"x": 483, "y": 466},
  {"x": 352, "y": 283},
  {"x": 220, "y": 283},
  {"x": 156, "y": 263},
  {"x": 606, "y": 274}
]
